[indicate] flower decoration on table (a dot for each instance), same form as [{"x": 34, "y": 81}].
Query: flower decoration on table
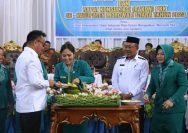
[
  {"x": 91, "y": 96},
  {"x": 60, "y": 88},
  {"x": 52, "y": 91},
  {"x": 101, "y": 90}
]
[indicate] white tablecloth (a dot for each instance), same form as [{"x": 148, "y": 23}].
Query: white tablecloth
[
  {"x": 50, "y": 76},
  {"x": 98, "y": 79}
]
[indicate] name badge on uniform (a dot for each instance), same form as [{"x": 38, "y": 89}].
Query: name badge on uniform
[
  {"x": 62, "y": 77},
  {"x": 122, "y": 66}
]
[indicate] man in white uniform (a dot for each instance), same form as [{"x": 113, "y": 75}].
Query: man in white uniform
[
  {"x": 31, "y": 85},
  {"x": 130, "y": 74}
]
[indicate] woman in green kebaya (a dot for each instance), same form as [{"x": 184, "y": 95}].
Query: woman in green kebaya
[
  {"x": 6, "y": 96},
  {"x": 169, "y": 83},
  {"x": 74, "y": 71}
]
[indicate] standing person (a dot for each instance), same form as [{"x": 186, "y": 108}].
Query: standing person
[
  {"x": 31, "y": 85},
  {"x": 6, "y": 96},
  {"x": 53, "y": 59},
  {"x": 45, "y": 75},
  {"x": 149, "y": 54},
  {"x": 169, "y": 82},
  {"x": 47, "y": 46},
  {"x": 148, "y": 48},
  {"x": 71, "y": 70},
  {"x": 130, "y": 75},
  {"x": 44, "y": 56}
]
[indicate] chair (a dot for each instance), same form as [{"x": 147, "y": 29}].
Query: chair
[
  {"x": 183, "y": 59},
  {"x": 12, "y": 51},
  {"x": 112, "y": 58},
  {"x": 95, "y": 59},
  {"x": 95, "y": 55}
]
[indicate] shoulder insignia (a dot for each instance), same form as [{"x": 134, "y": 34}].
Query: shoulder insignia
[
  {"x": 142, "y": 58},
  {"x": 121, "y": 57}
]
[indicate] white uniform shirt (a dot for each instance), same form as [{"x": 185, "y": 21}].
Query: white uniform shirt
[
  {"x": 31, "y": 86},
  {"x": 130, "y": 76}
]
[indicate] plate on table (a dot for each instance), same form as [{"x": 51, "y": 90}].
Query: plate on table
[{"x": 126, "y": 102}]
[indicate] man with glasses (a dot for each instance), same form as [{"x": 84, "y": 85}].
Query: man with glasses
[
  {"x": 31, "y": 85},
  {"x": 130, "y": 76}
]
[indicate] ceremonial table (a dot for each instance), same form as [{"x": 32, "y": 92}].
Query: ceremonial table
[{"x": 111, "y": 116}]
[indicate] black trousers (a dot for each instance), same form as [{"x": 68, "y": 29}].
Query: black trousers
[
  {"x": 30, "y": 122},
  {"x": 126, "y": 128},
  {"x": 3, "y": 114}
]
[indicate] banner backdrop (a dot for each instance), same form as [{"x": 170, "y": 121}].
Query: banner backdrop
[{"x": 119, "y": 18}]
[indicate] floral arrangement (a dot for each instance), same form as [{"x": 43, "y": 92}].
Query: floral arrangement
[
  {"x": 52, "y": 91},
  {"x": 92, "y": 89},
  {"x": 92, "y": 96},
  {"x": 101, "y": 90}
]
